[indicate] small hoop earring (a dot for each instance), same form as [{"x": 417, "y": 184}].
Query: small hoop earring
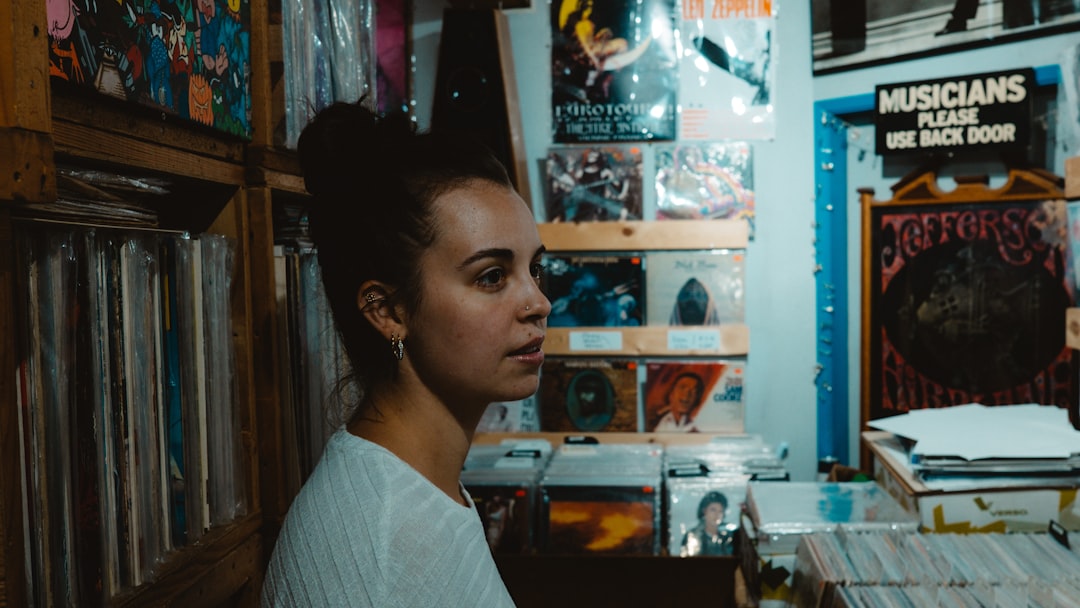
[{"x": 397, "y": 346}]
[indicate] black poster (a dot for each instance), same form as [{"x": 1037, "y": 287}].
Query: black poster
[
  {"x": 990, "y": 110},
  {"x": 613, "y": 68}
]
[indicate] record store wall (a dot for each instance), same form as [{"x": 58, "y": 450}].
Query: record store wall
[{"x": 783, "y": 261}]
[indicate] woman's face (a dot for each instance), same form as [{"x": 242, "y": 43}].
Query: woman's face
[
  {"x": 714, "y": 515},
  {"x": 472, "y": 339},
  {"x": 684, "y": 395}
]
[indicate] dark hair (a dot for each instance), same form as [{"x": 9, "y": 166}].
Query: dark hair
[
  {"x": 708, "y": 499},
  {"x": 373, "y": 179},
  {"x": 698, "y": 380}
]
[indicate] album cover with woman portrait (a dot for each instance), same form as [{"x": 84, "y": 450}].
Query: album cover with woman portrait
[
  {"x": 588, "y": 395},
  {"x": 694, "y": 396},
  {"x": 593, "y": 183},
  {"x": 594, "y": 290},
  {"x": 695, "y": 287}
]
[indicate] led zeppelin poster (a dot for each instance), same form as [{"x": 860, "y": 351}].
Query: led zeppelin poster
[
  {"x": 614, "y": 72},
  {"x": 727, "y": 70}
]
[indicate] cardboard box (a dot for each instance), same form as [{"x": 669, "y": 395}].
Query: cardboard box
[{"x": 963, "y": 505}]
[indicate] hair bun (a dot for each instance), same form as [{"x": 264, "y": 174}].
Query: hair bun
[{"x": 346, "y": 142}]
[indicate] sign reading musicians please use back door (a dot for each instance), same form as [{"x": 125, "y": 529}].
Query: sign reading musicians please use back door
[{"x": 953, "y": 114}]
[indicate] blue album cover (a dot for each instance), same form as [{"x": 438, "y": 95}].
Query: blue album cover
[{"x": 594, "y": 290}]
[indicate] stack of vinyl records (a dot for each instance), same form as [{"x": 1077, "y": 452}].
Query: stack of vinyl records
[
  {"x": 779, "y": 515},
  {"x": 602, "y": 499},
  {"x": 902, "y": 568},
  {"x": 503, "y": 480},
  {"x": 705, "y": 490}
]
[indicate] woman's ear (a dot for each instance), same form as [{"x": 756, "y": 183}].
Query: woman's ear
[{"x": 373, "y": 301}]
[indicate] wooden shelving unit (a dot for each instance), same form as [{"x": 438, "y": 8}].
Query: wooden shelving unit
[{"x": 223, "y": 185}]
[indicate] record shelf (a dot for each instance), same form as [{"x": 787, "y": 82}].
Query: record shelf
[
  {"x": 220, "y": 184},
  {"x": 619, "y": 580}
]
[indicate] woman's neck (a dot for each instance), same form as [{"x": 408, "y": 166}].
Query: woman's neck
[{"x": 422, "y": 431}]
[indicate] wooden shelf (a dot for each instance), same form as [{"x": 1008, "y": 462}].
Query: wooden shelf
[
  {"x": 558, "y": 438},
  {"x": 645, "y": 235},
  {"x": 732, "y": 339},
  {"x": 1072, "y": 177}
]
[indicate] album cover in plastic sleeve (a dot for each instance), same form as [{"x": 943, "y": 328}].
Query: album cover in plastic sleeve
[
  {"x": 510, "y": 416},
  {"x": 593, "y": 183},
  {"x": 594, "y": 290},
  {"x": 727, "y": 67},
  {"x": 507, "y": 510},
  {"x": 587, "y": 394},
  {"x": 620, "y": 517},
  {"x": 703, "y": 514},
  {"x": 695, "y": 287},
  {"x": 705, "y": 181},
  {"x": 613, "y": 69},
  {"x": 694, "y": 396}
]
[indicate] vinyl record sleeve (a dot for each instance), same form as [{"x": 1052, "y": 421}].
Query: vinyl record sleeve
[
  {"x": 510, "y": 416},
  {"x": 507, "y": 511},
  {"x": 593, "y": 183},
  {"x": 594, "y": 290},
  {"x": 695, "y": 287},
  {"x": 619, "y": 518},
  {"x": 704, "y": 180},
  {"x": 703, "y": 514},
  {"x": 727, "y": 71},
  {"x": 694, "y": 396},
  {"x": 589, "y": 395}
]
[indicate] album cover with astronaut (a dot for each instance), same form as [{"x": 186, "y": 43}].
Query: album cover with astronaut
[
  {"x": 593, "y": 183},
  {"x": 588, "y": 394},
  {"x": 614, "y": 71},
  {"x": 594, "y": 290}
]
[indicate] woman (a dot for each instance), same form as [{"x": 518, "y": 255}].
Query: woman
[{"x": 431, "y": 264}]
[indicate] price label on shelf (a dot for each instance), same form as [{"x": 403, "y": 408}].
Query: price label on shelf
[{"x": 694, "y": 339}]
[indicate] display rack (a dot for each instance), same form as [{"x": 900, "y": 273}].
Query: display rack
[{"x": 223, "y": 185}]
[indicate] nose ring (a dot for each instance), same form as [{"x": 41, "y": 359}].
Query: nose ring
[{"x": 526, "y": 307}]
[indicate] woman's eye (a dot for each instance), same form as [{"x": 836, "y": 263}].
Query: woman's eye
[
  {"x": 492, "y": 277},
  {"x": 537, "y": 271}
]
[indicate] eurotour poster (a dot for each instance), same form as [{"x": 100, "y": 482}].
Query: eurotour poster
[{"x": 614, "y": 70}]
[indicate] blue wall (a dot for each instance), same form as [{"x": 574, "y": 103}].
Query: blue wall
[{"x": 781, "y": 298}]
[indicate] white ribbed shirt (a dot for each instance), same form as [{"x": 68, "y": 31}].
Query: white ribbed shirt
[{"x": 368, "y": 530}]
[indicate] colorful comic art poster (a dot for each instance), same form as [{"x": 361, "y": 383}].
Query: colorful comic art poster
[
  {"x": 727, "y": 67},
  {"x": 704, "y": 181},
  {"x": 593, "y": 183},
  {"x": 614, "y": 71},
  {"x": 188, "y": 59}
]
